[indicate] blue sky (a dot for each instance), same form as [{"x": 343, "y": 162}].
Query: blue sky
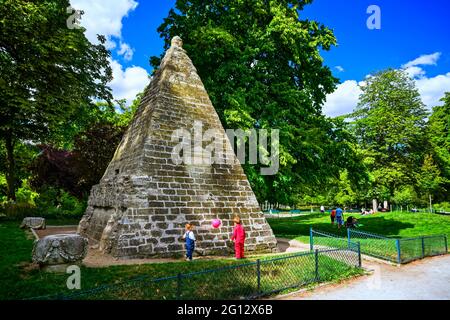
[{"x": 414, "y": 35}]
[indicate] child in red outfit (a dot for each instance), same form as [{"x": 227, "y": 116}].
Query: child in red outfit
[{"x": 238, "y": 238}]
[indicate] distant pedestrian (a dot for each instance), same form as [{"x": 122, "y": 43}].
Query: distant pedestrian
[
  {"x": 322, "y": 209},
  {"x": 238, "y": 238},
  {"x": 332, "y": 216},
  {"x": 190, "y": 241},
  {"x": 339, "y": 217}
]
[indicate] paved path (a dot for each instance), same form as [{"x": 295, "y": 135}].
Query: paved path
[{"x": 426, "y": 279}]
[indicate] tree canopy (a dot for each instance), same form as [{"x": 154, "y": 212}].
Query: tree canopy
[
  {"x": 390, "y": 123},
  {"x": 47, "y": 72}
]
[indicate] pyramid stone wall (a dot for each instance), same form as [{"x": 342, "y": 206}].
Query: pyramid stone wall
[{"x": 144, "y": 199}]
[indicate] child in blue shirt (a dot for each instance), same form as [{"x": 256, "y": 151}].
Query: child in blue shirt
[
  {"x": 339, "y": 217},
  {"x": 190, "y": 241}
]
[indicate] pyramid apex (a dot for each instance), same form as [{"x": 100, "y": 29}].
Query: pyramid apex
[{"x": 177, "y": 42}]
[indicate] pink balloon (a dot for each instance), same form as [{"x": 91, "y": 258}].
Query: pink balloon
[{"x": 216, "y": 223}]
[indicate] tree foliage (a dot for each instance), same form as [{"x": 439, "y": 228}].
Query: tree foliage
[
  {"x": 47, "y": 71},
  {"x": 390, "y": 123}
]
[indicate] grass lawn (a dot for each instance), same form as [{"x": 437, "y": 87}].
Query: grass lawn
[
  {"x": 392, "y": 225},
  {"x": 20, "y": 279}
]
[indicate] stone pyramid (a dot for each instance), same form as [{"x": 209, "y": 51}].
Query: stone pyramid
[{"x": 144, "y": 199}]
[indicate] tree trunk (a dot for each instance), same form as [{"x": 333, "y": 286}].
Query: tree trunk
[
  {"x": 431, "y": 204},
  {"x": 10, "y": 174}
]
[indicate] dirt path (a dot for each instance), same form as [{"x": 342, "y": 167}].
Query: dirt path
[
  {"x": 426, "y": 279},
  {"x": 96, "y": 259},
  {"x": 287, "y": 245}
]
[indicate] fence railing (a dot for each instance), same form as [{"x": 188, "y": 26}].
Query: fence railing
[
  {"x": 398, "y": 250},
  {"x": 418, "y": 248},
  {"x": 244, "y": 281},
  {"x": 324, "y": 240}
]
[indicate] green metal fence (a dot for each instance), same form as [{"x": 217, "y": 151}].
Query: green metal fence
[
  {"x": 243, "y": 281},
  {"x": 411, "y": 249},
  {"x": 399, "y": 250}
]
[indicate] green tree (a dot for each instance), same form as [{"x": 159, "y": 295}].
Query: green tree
[
  {"x": 262, "y": 68},
  {"x": 345, "y": 195},
  {"x": 429, "y": 178},
  {"x": 46, "y": 72},
  {"x": 117, "y": 114},
  {"x": 390, "y": 123},
  {"x": 439, "y": 138},
  {"x": 405, "y": 196}
]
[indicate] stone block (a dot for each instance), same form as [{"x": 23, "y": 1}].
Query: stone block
[{"x": 60, "y": 249}]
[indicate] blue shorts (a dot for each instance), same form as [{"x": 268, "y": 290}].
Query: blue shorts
[{"x": 339, "y": 220}]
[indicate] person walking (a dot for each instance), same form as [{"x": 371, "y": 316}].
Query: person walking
[
  {"x": 339, "y": 217},
  {"x": 332, "y": 215}
]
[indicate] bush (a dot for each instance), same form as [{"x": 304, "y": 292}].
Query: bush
[
  {"x": 24, "y": 206},
  {"x": 443, "y": 206},
  {"x": 50, "y": 203},
  {"x": 16, "y": 210},
  {"x": 57, "y": 203}
]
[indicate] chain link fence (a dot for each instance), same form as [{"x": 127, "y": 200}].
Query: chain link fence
[
  {"x": 243, "y": 281},
  {"x": 411, "y": 249},
  {"x": 324, "y": 240},
  {"x": 319, "y": 239},
  {"x": 396, "y": 249},
  {"x": 375, "y": 245}
]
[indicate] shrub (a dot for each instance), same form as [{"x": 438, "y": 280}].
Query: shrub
[
  {"x": 57, "y": 203},
  {"x": 443, "y": 206},
  {"x": 50, "y": 203},
  {"x": 16, "y": 210}
]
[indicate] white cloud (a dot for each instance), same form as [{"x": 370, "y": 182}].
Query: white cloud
[
  {"x": 433, "y": 89},
  {"x": 126, "y": 51},
  {"x": 413, "y": 69},
  {"x": 340, "y": 68},
  {"x": 430, "y": 89},
  {"x": 424, "y": 60},
  {"x": 345, "y": 98},
  {"x": 103, "y": 17},
  {"x": 415, "y": 72},
  {"x": 127, "y": 83}
]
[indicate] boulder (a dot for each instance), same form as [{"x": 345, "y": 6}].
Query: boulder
[
  {"x": 33, "y": 222},
  {"x": 60, "y": 249}
]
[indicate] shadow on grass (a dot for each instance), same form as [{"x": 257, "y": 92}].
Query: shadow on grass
[{"x": 299, "y": 226}]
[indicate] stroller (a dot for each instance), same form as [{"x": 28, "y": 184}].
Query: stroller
[{"x": 351, "y": 222}]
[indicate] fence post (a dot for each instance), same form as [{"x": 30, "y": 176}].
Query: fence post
[
  {"x": 423, "y": 247},
  {"x": 399, "y": 254},
  {"x": 179, "y": 282},
  {"x": 258, "y": 274},
  {"x": 311, "y": 239},
  {"x": 348, "y": 237},
  {"x": 359, "y": 254},
  {"x": 316, "y": 258},
  {"x": 446, "y": 244}
]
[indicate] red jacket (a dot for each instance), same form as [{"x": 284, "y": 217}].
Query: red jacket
[{"x": 238, "y": 234}]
